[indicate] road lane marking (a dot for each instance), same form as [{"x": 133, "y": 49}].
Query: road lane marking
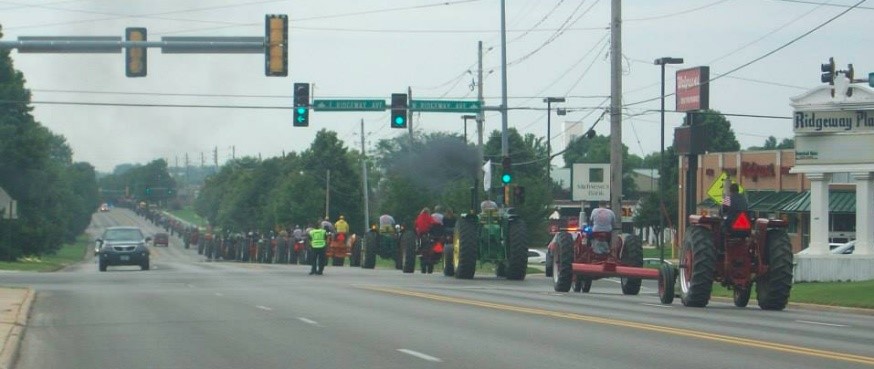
[
  {"x": 421, "y": 355},
  {"x": 656, "y": 305},
  {"x": 262, "y": 307},
  {"x": 218, "y": 294},
  {"x": 308, "y": 321},
  {"x": 189, "y": 285},
  {"x": 821, "y": 323},
  {"x": 734, "y": 340}
]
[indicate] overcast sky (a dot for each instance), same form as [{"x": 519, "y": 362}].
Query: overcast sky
[{"x": 370, "y": 49}]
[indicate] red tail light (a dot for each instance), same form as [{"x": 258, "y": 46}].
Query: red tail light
[{"x": 742, "y": 222}]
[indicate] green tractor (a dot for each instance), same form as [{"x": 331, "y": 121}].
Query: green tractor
[{"x": 496, "y": 236}]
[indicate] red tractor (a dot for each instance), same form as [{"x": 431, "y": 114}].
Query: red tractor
[
  {"x": 582, "y": 257},
  {"x": 736, "y": 253},
  {"x": 428, "y": 249}
]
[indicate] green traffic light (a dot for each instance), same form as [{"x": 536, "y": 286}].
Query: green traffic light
[
  {"x": 399, "y": 120},
  {"x": 301, "y": 110},
  {"x": 506, "y": 178}
]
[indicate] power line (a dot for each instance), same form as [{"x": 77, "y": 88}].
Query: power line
[
  {"x": 826, "y": 4},
  {"x": 674, "y": 14}
]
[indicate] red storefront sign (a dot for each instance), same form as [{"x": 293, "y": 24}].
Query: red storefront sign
[{"x": 693, "y": 89}]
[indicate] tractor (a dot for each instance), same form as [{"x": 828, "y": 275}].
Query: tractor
[
  {"x": 382, "y": 242},
  {"x": 496, "y": 236},
  {"x": 428, "y": 249},
  {"x": 338, "y": 249},
  {"x": 736, "y": 253},
  {"x": 581, "y": 257}
]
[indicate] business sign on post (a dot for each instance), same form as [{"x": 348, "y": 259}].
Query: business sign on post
[
  {"x": 693, "y": 89},
  {"x": 590, "y": 182}
]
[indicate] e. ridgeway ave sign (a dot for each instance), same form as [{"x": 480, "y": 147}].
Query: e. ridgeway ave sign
[
  {"x": 349, "y": 105},
  {"x": 446, "y": 106}
]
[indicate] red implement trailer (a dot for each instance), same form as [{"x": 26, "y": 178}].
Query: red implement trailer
[{"x": 581, "y": 258}]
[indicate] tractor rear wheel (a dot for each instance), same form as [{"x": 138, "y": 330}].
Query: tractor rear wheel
[
  {"x": 772, "y": 289},
  {"x": 632, "y": 255},
  {"x": 741, "y": 296},
  {"x": 408, "y": 251},
  {"x": 368, "y": 250},
  {"x": 465, "y": 249},
  {"x": 667, "y": 278},
  {"x": 448, "y": 267},
  {"x": 517, "y": 259},
  {"x": 697, "y": 262},
  {"x": 563, "y": 273},
  {"x": 355, "y": 258}
]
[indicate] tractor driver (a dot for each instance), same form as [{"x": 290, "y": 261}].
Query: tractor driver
[
  {"x": 733, "y": 204},
  {"x": 602, "y": 219}
]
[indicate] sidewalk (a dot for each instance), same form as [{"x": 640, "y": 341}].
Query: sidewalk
[{"x": 15, "y": 306}]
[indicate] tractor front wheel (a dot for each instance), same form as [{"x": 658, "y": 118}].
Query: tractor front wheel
[
  {"x": 465, "y": 248},
  {"x": 697, "y": 265},
  {"x": 368, "y": 250},
  {"x": 632, "y": 255},
  {"x": 562, "y": 261},
  {"x": 355, "y": 258},
  {"x": 517, "y": 258},
  {"x": 741, "y": 296},
  {"x": 448, "y": 267},
  {"x": 772, "y": 289},
  {"x": 667, "y": 278},
  {"x": 408, "y": 251}
]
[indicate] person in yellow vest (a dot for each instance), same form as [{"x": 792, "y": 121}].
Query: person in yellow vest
[
  {"x": 318, "y": 240},
  {"x": 342, "y": 229}
]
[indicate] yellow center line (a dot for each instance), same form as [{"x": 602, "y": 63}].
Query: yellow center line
[{"x": 740, "y": 341}]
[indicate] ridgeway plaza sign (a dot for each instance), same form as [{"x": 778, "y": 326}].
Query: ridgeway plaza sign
[{"x": 833, "y": 121}]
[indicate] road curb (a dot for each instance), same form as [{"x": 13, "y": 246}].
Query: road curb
[{"x": 9, "y": 350}]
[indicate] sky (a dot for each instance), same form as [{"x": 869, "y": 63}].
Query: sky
[{"x": 371, "y": 49}]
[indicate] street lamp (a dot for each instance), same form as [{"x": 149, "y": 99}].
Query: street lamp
[
  {"x": 549, "y": 101},
  {"x": 466, "y": 117},
  {"x": 661, "y": 240}
]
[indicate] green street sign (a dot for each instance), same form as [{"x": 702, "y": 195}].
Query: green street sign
[
  {"x": 446, "y": 106},
  {"x": 349, "y": 105}
]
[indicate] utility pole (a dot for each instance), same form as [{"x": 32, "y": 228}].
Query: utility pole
[
  {"x": 505, "y": 149},
  {"x": 215, "y": 157},
  {"x": 410, "y": 115},
  {"x": 202, "y": 160},
  {"x": 233, "y": 152},
  {"x": 187, "y": 169},
  {"x": 364, "y": 181},
  {"x": 327, "y": 193},
  {"x": 616, "y": 112},
  {"x": 480, "y": 118}
]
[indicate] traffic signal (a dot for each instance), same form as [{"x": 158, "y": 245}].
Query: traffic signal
[
  {"x": 828, "y": 72},
  {"x": 507, "y": 172},
  {"x": 135, "y": 57},
  {"x": 276, "y": 50},
  {"x": 398, "y": 110},
  {"x": 518, "y": 195},
  {"x": 301, "y": 104}
]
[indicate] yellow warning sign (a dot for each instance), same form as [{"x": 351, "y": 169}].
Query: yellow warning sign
[{"x": 718, "y": 188}]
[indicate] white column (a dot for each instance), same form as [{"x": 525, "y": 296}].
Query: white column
[
  {"x": 818, "y": 213},
  {"x": 864, "y": 213}
]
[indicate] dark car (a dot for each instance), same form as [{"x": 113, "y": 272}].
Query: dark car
[
  {"x": 123, "y": 246},
  {"x": 161, "y": 239}
]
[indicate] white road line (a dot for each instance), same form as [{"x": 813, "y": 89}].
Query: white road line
[
  {"x": 262, "y": 307},
  {"x": 189, "y": 285},
  {"x": 308, "y": 321},
  {"x": 656, "y": 305},
  {"x": 820, "y": 323},
  {"x": 421, "y": 355},
  {"x": 218, "y": 294}
]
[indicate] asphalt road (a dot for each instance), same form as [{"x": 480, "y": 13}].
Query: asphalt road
[{"x": 189, "y": 313}]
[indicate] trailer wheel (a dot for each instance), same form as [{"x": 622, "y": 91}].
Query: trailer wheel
[
  {"x": 408, "y": 251},
  {"x": 465, "y": 248},
  {"x": 549, "y": 263},
  {"x": 355, "y": 258},
  {"x": 632, "y": 255},
  {"x": 741, "y": 296},
  {"x": 500, "y": 269},
  {"x": 368, "y": 250},
  {"x": 577, "y": 285},
  {"x": 667, "y": 278},
  {"x": 697, "y": 265},
  {"x": 587, "y": 285},
  {"x": 772, "y": 289},
  {"x": 563, "y": 259},
  {"x": 517, "y": 258}
]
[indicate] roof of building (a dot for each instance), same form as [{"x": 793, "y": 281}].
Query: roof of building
[{"x": 838, "y": 202}]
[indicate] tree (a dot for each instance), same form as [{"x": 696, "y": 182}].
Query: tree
[
  {"x": 597, "y": 150},
  {"x": 720, "y": 137}
]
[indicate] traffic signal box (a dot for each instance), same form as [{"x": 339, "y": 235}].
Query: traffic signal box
[
  {"x": 276, "y": 51},
  {"x": 506, "y": 171},
  {"x": 828, "y": 72},
  {"x": 398, "y": 110},
  {"x": 135, "y": 57},
  {"x": 301, "y": 104}
]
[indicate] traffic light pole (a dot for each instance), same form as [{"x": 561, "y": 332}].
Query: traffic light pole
[{"x": 505, "y": 146}]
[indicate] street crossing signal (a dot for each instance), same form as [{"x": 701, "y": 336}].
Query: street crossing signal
[
  {"x": 507, "y": 172},
  {"x": 276, "y": 50},
  {"x": 398, "y": 110},
  {"x": 301, "y": 104},
  {"x": 135, "y": 57},
  {"x": 828, "y": 72}
]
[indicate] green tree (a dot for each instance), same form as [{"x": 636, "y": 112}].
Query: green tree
[{"x": 597, "y": 151}]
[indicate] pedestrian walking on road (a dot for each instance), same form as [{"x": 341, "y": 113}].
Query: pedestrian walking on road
[{"x": 318, "y": 240}]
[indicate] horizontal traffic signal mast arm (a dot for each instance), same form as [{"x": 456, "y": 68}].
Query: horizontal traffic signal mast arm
[{"x": 115, "y": 45}]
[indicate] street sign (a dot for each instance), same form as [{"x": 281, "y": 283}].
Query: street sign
[
  {"x": 446, "y": 106},
  {"x": 716, "y": 190},
  {"x": 349, "y": 105}
]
